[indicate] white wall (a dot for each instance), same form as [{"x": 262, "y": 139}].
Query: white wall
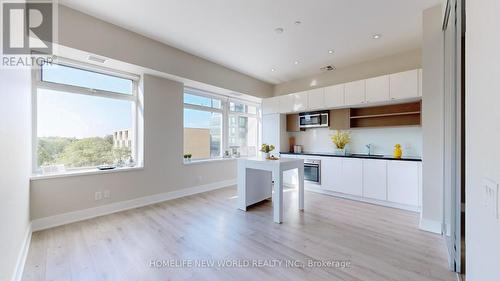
[
  {"x": 383, "y": 139},
  {"x": 482, "y": 136},
  {"x": 164, "y": 170},
  {"x": 14, "y": 167},
  {"x": 432, "y": 120}
]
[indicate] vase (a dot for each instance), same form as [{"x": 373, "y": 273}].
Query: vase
[
  {"x": 340, "y": 151},
  {"x": 267, "y": 155}
]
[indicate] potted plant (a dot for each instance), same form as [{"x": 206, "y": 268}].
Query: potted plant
[
  {"x": 266, "y": 149},
  {"x": 187, "y": 157},
  {"x": 341, "y": 139}
]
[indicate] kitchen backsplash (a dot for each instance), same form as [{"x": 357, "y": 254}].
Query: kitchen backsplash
[{"x": 382, "y": 139}]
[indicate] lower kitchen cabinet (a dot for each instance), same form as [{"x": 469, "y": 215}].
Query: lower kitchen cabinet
[
  {"x": 403, "y": 182},
  {"x": 352, "y": 177},
  {"x": 375, "y": 179},
  {"x": 331, "y": 173}
]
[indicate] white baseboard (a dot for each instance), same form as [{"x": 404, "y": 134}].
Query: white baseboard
[
  {"x": 66, "y": 218},
  {"x": 430, "y": 226},
  {"x": 23, "y": 254}
]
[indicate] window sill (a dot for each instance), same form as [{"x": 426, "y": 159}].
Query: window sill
[
  {"x": 202, "y": 161},
  {"x": 84, "y": 173}
]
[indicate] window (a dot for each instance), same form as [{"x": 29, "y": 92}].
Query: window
[
  {"x": 84, "y": 119},
  {"x": 213, "y": 125}
]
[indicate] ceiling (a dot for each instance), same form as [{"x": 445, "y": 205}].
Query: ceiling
[{"x": 241, "y": 34}]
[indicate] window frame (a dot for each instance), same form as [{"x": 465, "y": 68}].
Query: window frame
[
  {"x": 38, "y": 83},
  {"x": 226, "y": 112}
]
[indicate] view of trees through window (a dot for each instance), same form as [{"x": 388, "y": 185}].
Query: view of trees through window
[{"x": 81, "y": 130}]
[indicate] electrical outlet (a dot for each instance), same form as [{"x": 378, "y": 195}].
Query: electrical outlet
[
  {"x": 490, "y": 197},
  {"x": 107, "y": 194},
  {"x": 98, "y": 195}
]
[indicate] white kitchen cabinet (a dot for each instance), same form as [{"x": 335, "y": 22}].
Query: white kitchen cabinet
[
  {"x": 355, "y": 92},
  {"x": 316, "y": 99},
  {"x": 334, "y": 96},
  {"x": 420, "y": 80},
  {"x": 403, "y": 182},
  {"x": 375, "y": 179},
  {"x": 285, "y": 103},
  {"x": 377, "y": 89},
  {"x": 352, "y": 177},
  {"x": 270, "y": 105},
  {"x": 404, "y": 85},
  {"x": 331, "y": 173},
  {"x": 300, "y": 101},
  {"x": 274, "y": 132}
]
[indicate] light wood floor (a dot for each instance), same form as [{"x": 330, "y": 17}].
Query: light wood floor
[{"x": 381, "y": 244}]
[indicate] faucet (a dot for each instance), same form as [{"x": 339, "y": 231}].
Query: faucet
[{"x": 369, "y": 148}]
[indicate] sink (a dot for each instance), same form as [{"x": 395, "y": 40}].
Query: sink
[{"x": 368, "y": 156}]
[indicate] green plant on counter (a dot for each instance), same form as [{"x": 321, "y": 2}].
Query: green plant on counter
[
  {"x": 341, "y": 138},
  {"x": 188, "y": 156},
  {"x": 266, "y": 148}
]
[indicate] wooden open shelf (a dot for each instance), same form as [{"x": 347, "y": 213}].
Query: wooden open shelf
[{"x": 389, "y": 115}]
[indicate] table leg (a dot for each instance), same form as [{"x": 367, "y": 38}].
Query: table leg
[
  {"x": 278, "y": 196},
  {"x": 301, "y": 187},
  {"x": 242, "y": 181}
]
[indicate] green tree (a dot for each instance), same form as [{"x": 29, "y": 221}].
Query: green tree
[
  {"x": 87, "y": 152},
  {"x": 49, "y": 149}
]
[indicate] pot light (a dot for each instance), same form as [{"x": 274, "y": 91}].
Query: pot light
[
  {"x": 273, "y": 70},
  {"x": 296, "y": 62},
  {"x": 376, "y": 36},
  {"x": 297, "y": 22},
  {"x": 279, "y": 30},
  {"x": 331, "y": 52}
]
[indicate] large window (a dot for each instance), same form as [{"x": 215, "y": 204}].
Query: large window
[
  {"x": 214, "y": 125},
  {"x": 84, "y": 118}
]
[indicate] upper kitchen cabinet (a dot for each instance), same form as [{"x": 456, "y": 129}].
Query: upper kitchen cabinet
[
  {"x": 377, "y": 89},
  {"x": 300, "y": 101},
  {"x": 279, "y": 104},
  {"x": 334, "y": 96},
  {"x": 404, "y": 85},
  {"x": 270, "y": 105},
  {"x": 420, "y": 78},
  {"x": 316, "y": 99},
  {"x": 355, "y": 92}
]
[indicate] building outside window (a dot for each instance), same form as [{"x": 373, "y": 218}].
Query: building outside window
[
  {"x": 84, "y": 118},
  {"x": 205, "y": 117}
]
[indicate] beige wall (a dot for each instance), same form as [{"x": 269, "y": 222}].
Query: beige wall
[
  {"x": 164, "y": 170},
  {"x": 15, "y": 143},
  {"x": 386, "y": 65},
  {"x": 83, "y": 32},
  {"x": 482, "y": 135},
  {"x": 197, "y": 142},
  {"x": 432, "y": 119}
]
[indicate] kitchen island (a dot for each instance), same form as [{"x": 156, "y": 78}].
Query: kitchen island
[{"x": 260, "y": 178}]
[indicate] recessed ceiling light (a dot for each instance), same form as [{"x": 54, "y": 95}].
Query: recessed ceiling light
[
  {"x": 297, "y": 22},
  {"x": 376, "y": 36},
  {"x": 296, "y": 62},
  {"x": 331, "y": 52},
  {"x": 273, "y": 70},
  {"x": 279, "y": 30}
]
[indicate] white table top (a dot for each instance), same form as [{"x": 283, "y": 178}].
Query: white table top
[{"x": 264, "y": 160}]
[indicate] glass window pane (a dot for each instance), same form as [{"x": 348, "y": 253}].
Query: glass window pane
[
  {"x": 81, "y": 131},
  {"x": 61, "y": 74},
  {"x": 252, "y": 109},
  {"x": 202, "y": 101},
  {"x": 202, "y": 133},
  {"x": 244, "y": 134},
  {"x": 237, "y": 107}
]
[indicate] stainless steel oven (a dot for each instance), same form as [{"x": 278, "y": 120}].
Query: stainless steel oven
[
  {"x": 318, "y": 119},
  {"x": 312, "y": 171}
]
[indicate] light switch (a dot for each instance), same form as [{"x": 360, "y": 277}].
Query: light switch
[{"x": 490, "y": 197}]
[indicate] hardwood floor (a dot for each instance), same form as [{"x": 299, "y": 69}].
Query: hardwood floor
[{"x": 379, "y": 243}]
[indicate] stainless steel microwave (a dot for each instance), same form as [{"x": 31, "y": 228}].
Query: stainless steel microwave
[{"x": 316, "y": 119}]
